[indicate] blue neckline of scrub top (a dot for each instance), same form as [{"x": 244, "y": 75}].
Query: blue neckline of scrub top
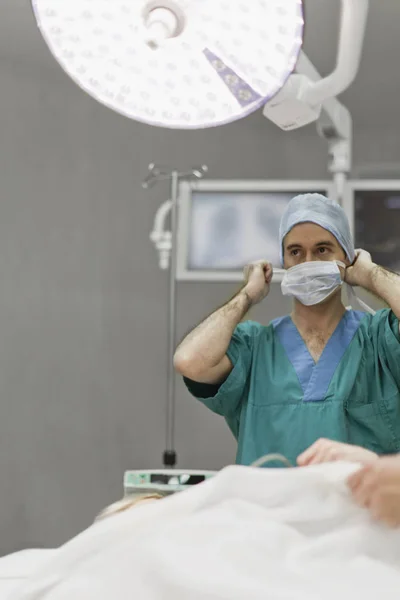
[{"x": 316, "y": 377}]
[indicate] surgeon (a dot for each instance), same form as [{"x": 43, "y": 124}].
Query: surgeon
[{"x": 320, "y": 372}]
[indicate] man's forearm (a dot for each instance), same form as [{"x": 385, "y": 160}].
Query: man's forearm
[
  {"x": 386, "y": 285},
  {"x": 207, "y": 344}
]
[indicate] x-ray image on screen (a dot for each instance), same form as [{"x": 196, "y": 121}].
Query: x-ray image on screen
[
  {"x": 229, "y": 230},
  {"x": 377, "y": 225}
]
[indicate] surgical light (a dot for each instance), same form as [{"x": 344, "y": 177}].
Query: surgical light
[{"x": 175, "y": 63}]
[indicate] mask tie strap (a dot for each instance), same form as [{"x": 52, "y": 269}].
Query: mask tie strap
[{"x": 353, "y": 298}]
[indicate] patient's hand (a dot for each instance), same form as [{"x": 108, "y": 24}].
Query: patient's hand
[
  {"x": 377, "y": 487},
  {"x": 328, "y": 451}
]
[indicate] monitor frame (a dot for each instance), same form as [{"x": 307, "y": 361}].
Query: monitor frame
[
  {"x": 186, "y": 189},
  {"x": 368, "y": 185}
]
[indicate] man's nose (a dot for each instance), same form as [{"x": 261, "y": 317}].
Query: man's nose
[{"x": 309, "y": 256}]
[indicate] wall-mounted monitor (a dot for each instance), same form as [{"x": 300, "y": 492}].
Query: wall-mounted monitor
[
  {"x": 224, "y": 225},
  {"x": 373, "y": 209}
]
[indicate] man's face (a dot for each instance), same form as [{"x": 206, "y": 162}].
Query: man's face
[{"x": 307, "y": 242}]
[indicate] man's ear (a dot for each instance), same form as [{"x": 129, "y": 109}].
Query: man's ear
[{"x": 347, "y": 261}]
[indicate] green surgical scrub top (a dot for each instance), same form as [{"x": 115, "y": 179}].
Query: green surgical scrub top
[{"x": 278, "y": 400}]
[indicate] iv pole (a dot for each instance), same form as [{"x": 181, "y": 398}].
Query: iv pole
[{"x": 166, "y": 244}]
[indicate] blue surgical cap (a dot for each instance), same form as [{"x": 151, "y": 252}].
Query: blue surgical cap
[{"x": 316, "y": 208}]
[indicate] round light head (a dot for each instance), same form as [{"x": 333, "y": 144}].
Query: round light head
[{"x": 175, "y": 63}]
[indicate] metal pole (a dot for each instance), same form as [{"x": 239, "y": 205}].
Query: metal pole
[
  {"x": 170, "y": 454},
  {"x": 157, "y": 174}
]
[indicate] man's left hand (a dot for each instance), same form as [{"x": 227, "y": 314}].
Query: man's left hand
[
  {"x": 377, "y": 487},
  {"x": 360, "y": 272}
]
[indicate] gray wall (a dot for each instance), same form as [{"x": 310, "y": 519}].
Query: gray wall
[{"x": 83, "y": 303}]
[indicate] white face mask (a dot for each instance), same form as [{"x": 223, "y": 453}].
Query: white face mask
[{"x": 312, "y": 282}]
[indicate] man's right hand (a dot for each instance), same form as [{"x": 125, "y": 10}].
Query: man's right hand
[
  {"x": 202, "y": 356},
  {"x": 257, "y": 276}
]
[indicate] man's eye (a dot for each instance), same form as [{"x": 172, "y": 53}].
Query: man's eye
[
  {"x": 322, "y": 250},
  {"x": 294, "y": 252}
]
